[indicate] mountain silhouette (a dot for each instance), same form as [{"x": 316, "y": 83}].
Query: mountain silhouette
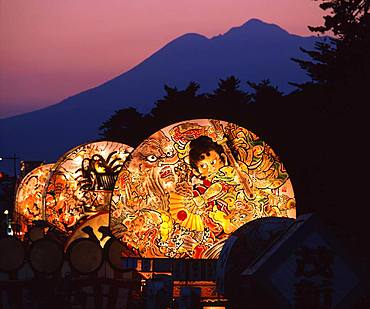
[{"x": 251, "y": 52}]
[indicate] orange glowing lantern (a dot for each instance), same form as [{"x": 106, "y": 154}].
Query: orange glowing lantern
[
  {"x": 28, "y": 201},
  {"x": 81, "y": 183},
  {"x": 187, "y": 187}
]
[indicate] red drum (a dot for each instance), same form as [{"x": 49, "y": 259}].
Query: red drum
[
  {"x": 46, "y": 256},
  {"x": 12, "y": 254},
  {"x": 85, "y": 255}
]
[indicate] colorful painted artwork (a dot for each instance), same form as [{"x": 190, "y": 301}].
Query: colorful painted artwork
[
  {"x": 187, "y": 187},
  {"x": 28, "y": 201},
  {"x": 81, "y": 183}
]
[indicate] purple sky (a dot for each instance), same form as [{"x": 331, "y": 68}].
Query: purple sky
[{"x": 50, "y": 50}]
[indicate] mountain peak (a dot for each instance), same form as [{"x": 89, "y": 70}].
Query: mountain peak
[
  {"x": 188, "y": 37},
  {"x": 254, "y": 21},
  {"x": 259, "y": 24},
  {"x": 186, "y": 40},
  {"x": 255, "y": 27}
]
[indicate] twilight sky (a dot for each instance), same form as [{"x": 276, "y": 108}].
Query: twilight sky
[{"x": 52, "y": 49}]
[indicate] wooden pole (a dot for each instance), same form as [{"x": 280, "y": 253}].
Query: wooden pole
[{"x": 221, "y": 140}]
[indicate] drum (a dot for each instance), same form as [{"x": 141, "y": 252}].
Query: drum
[
  {"x": 46, "y": 256},
  {"x": 35, "y": 233},
  {"x": 85, "y": 255},
  {"x": 12, "y": 254},
  {"x": 115, "y": 253}
]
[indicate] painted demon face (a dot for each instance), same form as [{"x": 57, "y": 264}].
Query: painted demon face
[{"x": 156, "y": 155}]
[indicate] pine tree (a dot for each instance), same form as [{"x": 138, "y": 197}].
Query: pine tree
[
  {"x": 228, "y": 101},
  {"x": 177, "y": 105},
  {"x": 125, "y": 126},
  {"x": 341, "y": 63}
]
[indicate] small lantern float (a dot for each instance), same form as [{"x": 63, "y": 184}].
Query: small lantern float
[
  {"x": 81, "y": 183},
  {"x": 28, "y": 201}
]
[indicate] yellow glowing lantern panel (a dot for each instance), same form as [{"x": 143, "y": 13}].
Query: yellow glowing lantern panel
[
  {"x": 81, "y": 183},
  {"x": 28, "y": 201},
  {"x": 190, "y": 185}
]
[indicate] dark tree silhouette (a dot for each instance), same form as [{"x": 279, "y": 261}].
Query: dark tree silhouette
[
  {"x": 125, "y": 126},
  {"x": 264, "y": 116},
  {"x": 333, "y": 117},
  {"x": 265, "y": 92},
  {"x": 228, "y": 101},
  {"x": 177, "y": 105},
  {"x": 342, "y": 62}
]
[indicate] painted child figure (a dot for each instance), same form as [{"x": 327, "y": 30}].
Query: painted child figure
[{"x": 215, "y": 191}]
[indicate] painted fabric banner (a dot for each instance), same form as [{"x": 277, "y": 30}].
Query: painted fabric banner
[
  {"x": 81, "y": 183},
  {"x": 187, "y": 187},
  {"x": 28, "y": 201}
]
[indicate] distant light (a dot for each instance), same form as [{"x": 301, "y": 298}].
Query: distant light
[
  {"x": 6, "y": 212},
  {"x": 1, "y": 158}
]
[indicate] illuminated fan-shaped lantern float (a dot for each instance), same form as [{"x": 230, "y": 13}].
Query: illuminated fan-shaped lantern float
[
  {"x": 81, "y": 183},
  {"x": 28, "y": 201},
  {"x": 190, "y": 185}
]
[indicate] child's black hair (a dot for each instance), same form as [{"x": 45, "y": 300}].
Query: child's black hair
[{"x": 200, "y": 148}]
